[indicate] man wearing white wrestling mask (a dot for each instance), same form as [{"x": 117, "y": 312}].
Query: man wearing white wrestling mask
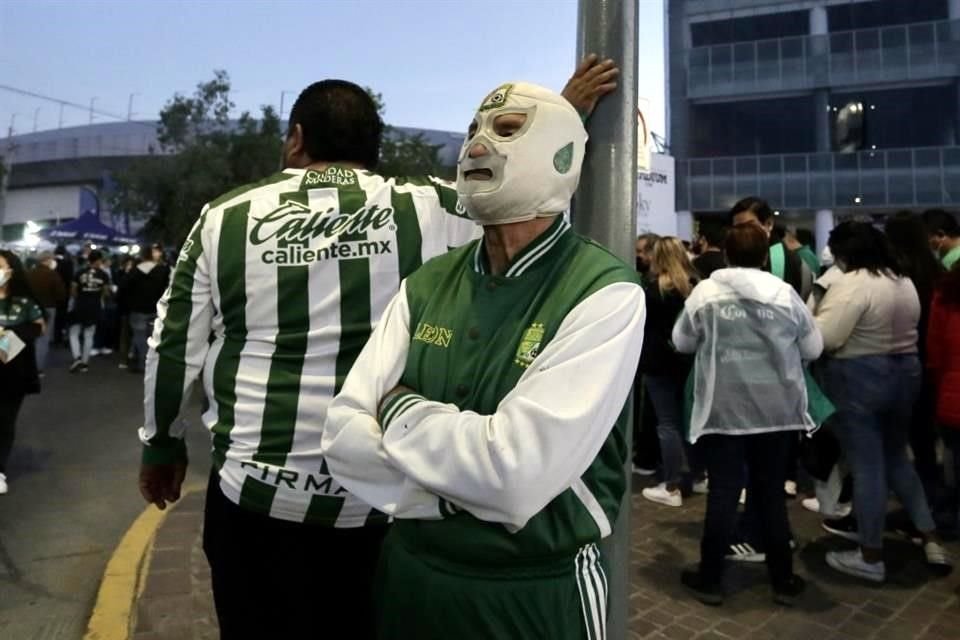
[{"x": 486, "y": 413}]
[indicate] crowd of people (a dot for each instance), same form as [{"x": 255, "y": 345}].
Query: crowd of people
[
  {"x": 467, "y": 381},
  {"x": 90, "y": 302},
  {"x": 762, "y": 368}
]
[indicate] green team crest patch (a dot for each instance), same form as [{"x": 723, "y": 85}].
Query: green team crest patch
[
  {"x": 497, "y": 98},
  {"x": 529, "y": 347},
  {"x": 563, "y": 159}
]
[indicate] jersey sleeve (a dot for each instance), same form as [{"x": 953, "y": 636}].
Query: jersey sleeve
[
  {"x": 352, "y": 438},
  {"x": 506, "y": 467},
  {"x": 458, "y": 228},
  {"x": 177, "y": 349}
]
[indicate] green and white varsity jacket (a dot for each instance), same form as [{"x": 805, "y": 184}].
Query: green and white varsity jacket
[{"x": 512, "y": 444}]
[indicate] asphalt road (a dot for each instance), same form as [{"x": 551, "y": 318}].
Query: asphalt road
[{"x": 73, "y": 494}]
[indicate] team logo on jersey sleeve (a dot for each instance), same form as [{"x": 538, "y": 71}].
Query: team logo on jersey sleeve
[{"x": 529, "y": 347}]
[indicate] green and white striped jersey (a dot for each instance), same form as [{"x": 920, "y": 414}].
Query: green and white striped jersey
[{"x": 276, "y": 291}]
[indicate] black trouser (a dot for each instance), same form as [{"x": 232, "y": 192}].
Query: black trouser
[
  {"x": 278, "y": 579},
  {"x": 923, "y": 440},
  {"x": 9, "y": 408},
  {"x": 646, "y": 444},
  {"x": 765, "y": 457}
]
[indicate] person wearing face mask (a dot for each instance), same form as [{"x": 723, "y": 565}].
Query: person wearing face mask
[
  {"x": 50, "y": 292},
  {"x": 21, "y": 323},
  {"x": 944, "y": 235},
  {"x": 275, "y": 292},
  {"x": 486, "y": 413}
]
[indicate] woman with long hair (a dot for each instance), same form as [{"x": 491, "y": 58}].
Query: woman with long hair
[
  {"x": 665, "y": 370},
  {"x": 943, "y": 363},
  {"x": 868, "y": 317},
  {"x": 908, "y": 237},
  {"x": 21, "y": 321}
]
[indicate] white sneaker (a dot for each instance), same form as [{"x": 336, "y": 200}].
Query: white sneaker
[
  {"x": 3, "y": 484},
  {"x": 938, "y": 559},
  {"x": 701, "y": 486},
  {"x": 853, "y": 564},
  {"x": 94, "y": 352},
  {"x": 660, "y": 495},
  {"x": 643, "y": 471},
  {"x": 106, "y": 352},
  {"x": 790, "y": 488},
  {"x": 743, "y": 496},
  {"x": 812, "y": 504}
]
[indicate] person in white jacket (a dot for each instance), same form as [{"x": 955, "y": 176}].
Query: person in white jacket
[{"x": 751, "y": 333}]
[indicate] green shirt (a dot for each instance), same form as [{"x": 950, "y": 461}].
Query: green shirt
[
  {"x": 952, "y": 257},
  {"x": 512, "y": 443},
  {"x": 810, "y": 258}
]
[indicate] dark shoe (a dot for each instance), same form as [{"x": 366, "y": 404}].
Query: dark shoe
[
  {"x": 845, "y": 527},
  {"x": 84, "y": 367},
  {"x": 786, "y": 593},
  {"x": 708, "y": 594},
  {"x": 76, "y": 366}
]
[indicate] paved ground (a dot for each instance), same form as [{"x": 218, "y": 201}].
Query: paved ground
[
  {"x": 73, "y": 494},
  {"x": 176, "y": 603}
]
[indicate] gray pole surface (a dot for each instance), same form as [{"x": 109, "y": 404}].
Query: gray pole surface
[{"x": 605, "y": 210}]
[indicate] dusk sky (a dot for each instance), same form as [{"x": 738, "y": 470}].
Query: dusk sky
[{"x": 432, "y": 60}]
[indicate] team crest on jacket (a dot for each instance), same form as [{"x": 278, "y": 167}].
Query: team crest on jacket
[{"x": 529, "y": 347}]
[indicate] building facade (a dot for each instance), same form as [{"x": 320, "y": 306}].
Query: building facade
[{"x": 826, "y": 108}]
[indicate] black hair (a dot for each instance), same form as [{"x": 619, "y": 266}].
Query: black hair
[
  {"x": 907, "y": 235},
  {"x": 94, "y": 256},
  {"x": 860, "y": 245},
  {"x": 18, "y": 286},
  {"x": 939, "y": 221},
  {"x": 805, "y": 237},
  {"x": 340, "y": 123},
  {"x": 713, "y": 232},
  {"x": 746, "y": 246},
  {"x": 754, "y": 205}
]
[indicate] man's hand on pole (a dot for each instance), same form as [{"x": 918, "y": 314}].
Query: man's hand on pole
[
  {"x": 161, "y": 483},
  {"x": 592, "y": 80}
]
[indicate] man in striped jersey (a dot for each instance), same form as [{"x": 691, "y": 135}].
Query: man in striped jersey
[
  {"x": 275, "y": 293},
  {"x": 486, "y": 413}
]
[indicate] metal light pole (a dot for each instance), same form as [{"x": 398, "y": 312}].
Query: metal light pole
[
  {"x": 60, "y": 121},
  {"x": 93, "y": 101},
  {"x": 605, "y": 210},
  {"x": 130, "y": 106},
  {"x": 36, "y": 114},
  {"x": 283, "y": 95}
]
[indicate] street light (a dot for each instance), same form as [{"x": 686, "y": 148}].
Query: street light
[
  {"x": 93, "y": 101},
  {"x": 283, "y": 94},
  {"x": 130, "y": 106},
  {"x": 36, "y": 114}
]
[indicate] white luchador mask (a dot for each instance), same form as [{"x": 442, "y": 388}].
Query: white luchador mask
[{"x": 526, "y": 172}]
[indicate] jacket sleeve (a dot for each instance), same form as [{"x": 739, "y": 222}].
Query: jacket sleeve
[
  {"x": 687, "y": 332},
  {"x": 545, "y": 433},
  {"x": 838, "y": 313},
  {"x": 178, "y": 348},
  {"x": 352, "y": 439}
]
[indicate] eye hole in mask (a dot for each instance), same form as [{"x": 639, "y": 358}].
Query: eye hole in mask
[{"x": 508, "y": 125}]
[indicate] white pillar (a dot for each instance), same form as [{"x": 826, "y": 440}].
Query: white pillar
[
  {"x": 823, "y": 226},
  {"x": 818, "y": 20},
  {"x": 685, "y": 225}
]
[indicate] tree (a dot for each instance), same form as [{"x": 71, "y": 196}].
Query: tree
[
  {"x": 203, "y": 155},
  {"x": 407, "y": 155}
]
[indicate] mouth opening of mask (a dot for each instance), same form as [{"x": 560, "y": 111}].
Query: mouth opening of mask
[{"x": 478, "y": 174}]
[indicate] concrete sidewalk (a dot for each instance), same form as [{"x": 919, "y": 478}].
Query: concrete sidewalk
[{"x": 176, "y": 603}]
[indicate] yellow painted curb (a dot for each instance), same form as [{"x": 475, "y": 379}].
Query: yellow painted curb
[{"x": 125, "y": 576}]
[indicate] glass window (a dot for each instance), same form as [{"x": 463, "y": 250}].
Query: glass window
[
  {"x": 880, "y": 13},
  {"x": 774, "y": 25}
]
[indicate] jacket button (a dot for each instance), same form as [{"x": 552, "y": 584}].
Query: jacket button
[
  {"x": 491, "y": 285},
  {"x": 461, "y": 390},
  {"x": 473, "y": 333}
]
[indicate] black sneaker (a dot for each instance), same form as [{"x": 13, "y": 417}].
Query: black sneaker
[
  {"x": 76, "y": 366},
  {"x": 786, "y": 593},
  {"x": 845, "y": 527},
  {"x": 84, "y": 367},
  {"x": 709, "y": 594}
]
